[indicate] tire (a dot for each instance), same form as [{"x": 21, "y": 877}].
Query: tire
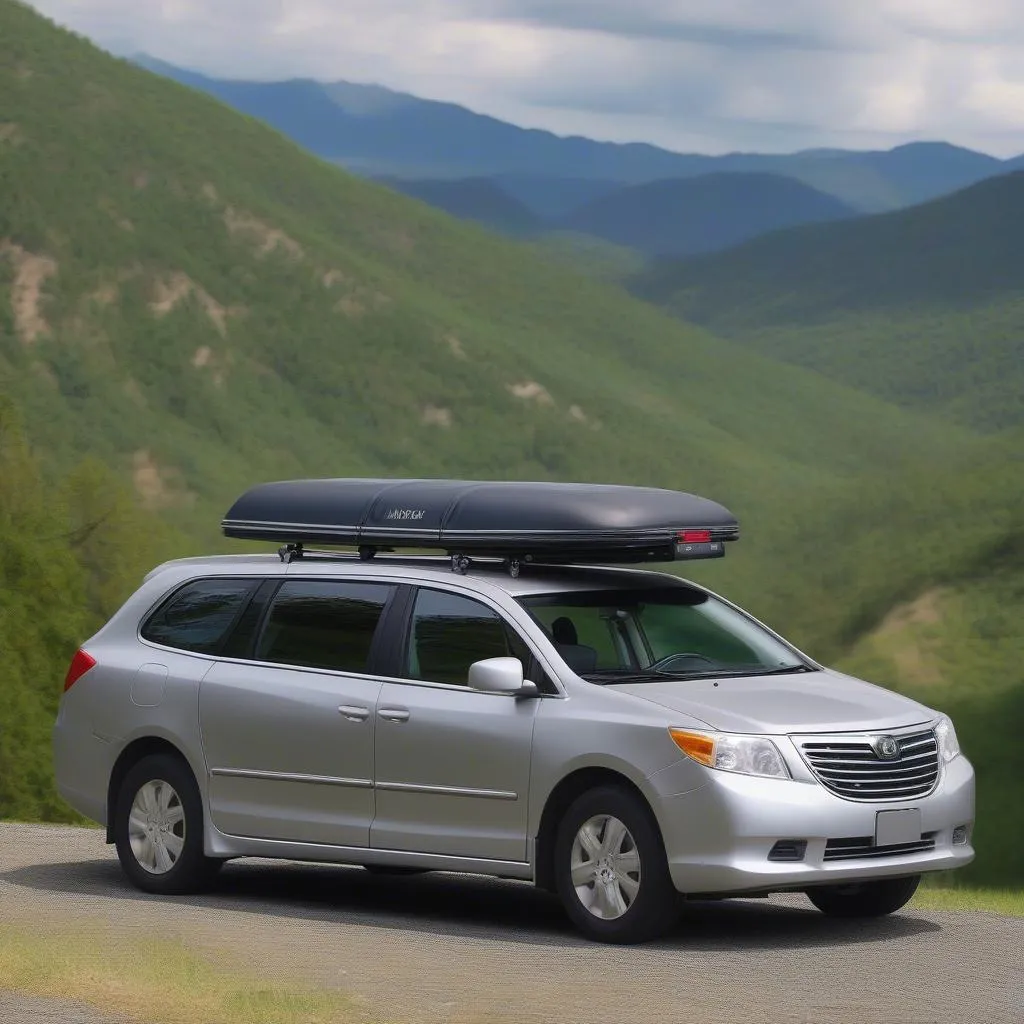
[
  {"x": 628, "y": 897},
  {"x": 866, "y": 899},
  {"x": 158, "y": 828}
]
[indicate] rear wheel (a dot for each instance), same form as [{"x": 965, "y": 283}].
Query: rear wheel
[
  {"x": 865, "y": 899},
  {"x": 610, "y": 868},
  {"x": 158, "y": 828}
]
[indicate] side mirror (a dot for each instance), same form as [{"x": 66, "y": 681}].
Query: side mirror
[{"x": 501, "y": 675}]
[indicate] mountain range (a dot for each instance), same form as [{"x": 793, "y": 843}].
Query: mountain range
[
  {"x": 377, "y": 131},
  {"x": 526, "y": 182},
  {"x": 190, "y": 303}
]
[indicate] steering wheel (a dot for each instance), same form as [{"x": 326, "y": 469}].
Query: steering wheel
[{"x": 663, "y": 664}]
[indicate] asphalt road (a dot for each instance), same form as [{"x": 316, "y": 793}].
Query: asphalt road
[{"x": 446, "y": 948}]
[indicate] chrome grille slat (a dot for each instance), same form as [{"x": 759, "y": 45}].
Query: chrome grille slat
[
  {"x": 850, "y": 767},
  {"x": 869, "y": 761},
  {"x": 861, "y": 780},
  {"x": 870, "y": 772},
  {"x": 862, "y": 847},
  {"x": 927, "y": 742}
]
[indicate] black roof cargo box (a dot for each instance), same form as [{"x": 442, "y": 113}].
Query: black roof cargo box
[{"x": 542, "y": 522}]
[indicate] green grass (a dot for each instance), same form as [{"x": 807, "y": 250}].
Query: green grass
[
  {"x": 155, "y": 982},
  {"x": 992, "y": 901}
]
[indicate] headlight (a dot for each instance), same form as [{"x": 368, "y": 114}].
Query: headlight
[
  {"x": 747, "y": 755},
  {"x": 949, "y": 745}
]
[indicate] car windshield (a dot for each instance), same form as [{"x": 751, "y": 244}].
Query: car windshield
[{"x": 610, "y": 636}]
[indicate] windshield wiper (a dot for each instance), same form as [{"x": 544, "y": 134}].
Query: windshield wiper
[{"x": 606, "y": 677}]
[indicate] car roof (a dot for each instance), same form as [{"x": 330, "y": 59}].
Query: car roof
[{"x": 534, "y": 579}]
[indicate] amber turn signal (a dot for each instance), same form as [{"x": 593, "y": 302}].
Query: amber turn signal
[{"x": 696, "y": 745}]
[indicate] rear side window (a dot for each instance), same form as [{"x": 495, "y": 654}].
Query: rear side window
[
  {"x": 325, "y": 624},
  {"x": 199, "y": 616}
]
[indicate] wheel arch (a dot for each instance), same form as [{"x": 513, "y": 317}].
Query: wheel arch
[{"x": 559, "y": 799}]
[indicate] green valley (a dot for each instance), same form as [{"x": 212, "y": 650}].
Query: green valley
[
  {"x": 923, "y": 307},
  {"x": 190, "y": 304}
]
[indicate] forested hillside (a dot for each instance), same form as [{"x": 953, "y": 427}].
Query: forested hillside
[
  {"x": 70, "y": 550},
  {"x": 924, "y": 307},
  {"x": 209, "y": 306},
  {"x": 189, "y": 304}
]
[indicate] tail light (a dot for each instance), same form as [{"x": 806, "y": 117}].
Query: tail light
[{"x": 80, "y": 664}]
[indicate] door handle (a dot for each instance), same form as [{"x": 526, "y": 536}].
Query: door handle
[
  {"x": 354, "y": 713},
  {"x": 394, "y": 714}
]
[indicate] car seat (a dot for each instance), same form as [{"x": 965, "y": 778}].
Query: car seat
[{"x": 579, "y": 657}]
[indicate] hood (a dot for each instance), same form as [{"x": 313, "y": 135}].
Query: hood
[{"x": 824, "y": 701}]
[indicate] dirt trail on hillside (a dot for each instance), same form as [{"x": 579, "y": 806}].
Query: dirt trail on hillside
[{"x": 445, "y": 948}]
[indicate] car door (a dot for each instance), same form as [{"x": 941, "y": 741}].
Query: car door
[
  {"x": 452, "y": 765},
  {"x": 288, "y": 730}
]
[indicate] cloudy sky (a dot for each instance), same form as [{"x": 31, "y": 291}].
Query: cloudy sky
[{"x": 694, "y": 75}]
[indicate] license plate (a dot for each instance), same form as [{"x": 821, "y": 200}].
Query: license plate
[{"x": 895, "y": 827}]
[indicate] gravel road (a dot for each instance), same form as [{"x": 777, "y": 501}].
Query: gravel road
[{"x": 445, "y": 948}]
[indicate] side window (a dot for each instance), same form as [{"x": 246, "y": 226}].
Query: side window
[
  {"x": 585, "y": 637},
  {"x": 450, "y": 632},
  {"x": 198, "y": 616},
  {"x": 326, "y": 624},
  {"x": 240, "y": 641}
]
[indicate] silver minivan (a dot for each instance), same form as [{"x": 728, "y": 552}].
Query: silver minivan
[{"x": 614, "y": 735}]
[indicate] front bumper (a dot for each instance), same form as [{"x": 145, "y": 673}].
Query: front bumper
[{"x": 718, "y": 836}]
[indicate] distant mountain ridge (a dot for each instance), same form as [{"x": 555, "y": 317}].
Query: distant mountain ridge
[
  {"x": 686, "y": 216},
  {"x": 673, "y": 217},
  {"x": 379, "y": 132}
]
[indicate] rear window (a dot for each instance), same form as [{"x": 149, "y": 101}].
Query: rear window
[
  {"x": 326, "y": 624},
  {"x": 199, "y": 616}
]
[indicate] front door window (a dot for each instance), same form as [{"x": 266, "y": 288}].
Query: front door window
[{"x": 450, "y": 632}]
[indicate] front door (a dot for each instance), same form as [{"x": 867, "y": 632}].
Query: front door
[
  {"x": 289, "y": 734},
  {"x": 452, "y": 764}
]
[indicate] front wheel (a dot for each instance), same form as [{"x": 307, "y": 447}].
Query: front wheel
[
  {"x": 610, "y": 868},
  {"x": 865, "y": 899},
  {"x": 158, "y": 828}
]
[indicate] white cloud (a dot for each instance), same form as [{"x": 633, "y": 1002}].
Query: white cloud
[{"x": 710, "y": 75}]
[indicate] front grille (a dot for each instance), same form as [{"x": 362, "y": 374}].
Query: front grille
[
  {"x": 863, "y": 846},
  {"x": 850, "y": 767}
]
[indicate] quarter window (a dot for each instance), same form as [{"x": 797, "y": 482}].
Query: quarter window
[
  {"x": 449, "y": 633},
  {"x": 325, "y": 624},
  {"x": 199, "y": 616}
]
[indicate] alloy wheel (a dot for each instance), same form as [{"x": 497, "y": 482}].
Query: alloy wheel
[
  {"x": 156, "y": 827},
  {"x": 605, "y": 867}
]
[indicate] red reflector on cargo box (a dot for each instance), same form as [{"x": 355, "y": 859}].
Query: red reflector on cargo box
[{"x": 695, "y": 536}]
